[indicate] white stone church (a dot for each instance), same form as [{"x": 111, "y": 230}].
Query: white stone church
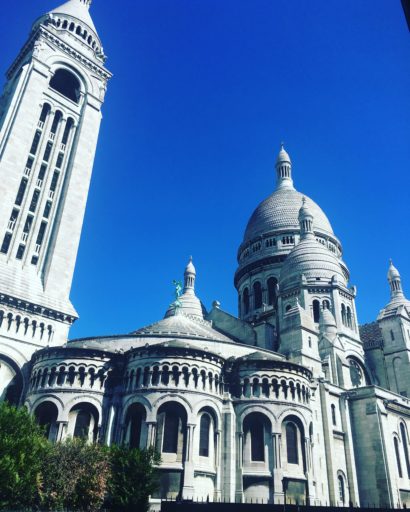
[{"x": 291, "y": 400}]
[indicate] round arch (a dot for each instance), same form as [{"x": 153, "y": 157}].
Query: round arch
[{"x": 11, "y": 380}]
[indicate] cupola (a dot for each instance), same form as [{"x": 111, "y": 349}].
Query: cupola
[{"x": 284, "y": 169}]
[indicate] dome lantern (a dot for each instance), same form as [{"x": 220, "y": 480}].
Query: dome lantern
[
  {"x": 305, "y": 220},
  {"x": 284, "y": 169},
  {"x": 189, "y": 277},
  {"x": 394, "y": 279}
]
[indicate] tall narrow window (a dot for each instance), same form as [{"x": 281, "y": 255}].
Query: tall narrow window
[
  {"x": 406, "y": 448},
  {"x": 292, "y": 443},
  {"x": 41, "y": 233},
  {"x": 204, "y": 435},
  {"x": 171, "y": 431},
  {"x": 246, "y": 301},
  {"x": 6, "y": 243},
  {"x": 13, "y": 219},
  {"x": 34, "y": 201},
  {"x": 316, "y": 311},
  {"x": 27, "y": 225},
  {"x": 54, "y": 181},
  {"x": 349, "y": 317},
  {"x": 68, "y": 126},
  {"x": 341, "y": 489},
  {"x": 36, "y": 141},
  {"x": 333, "y": 409},
  {"x": 396, "y": 449},
  {"x": 272, "y": 285},
  {"x": 47, "y": 151},
  {"x": 47, "y": 210},
  {"x": 257, "y": 440},
  {"x": 21, "y": 191},
  {"x": 66, "y": 83},
  {"x": 20, "y": 252},
  {"x": 344, "y": 314},
  {"x": 82, "y": 425},
  {"x": 59, "y": 160},
  {"x": 44, "y": 112},
  {"x": 56, "y": 120},
  {"x": 257, "y": 295},
  {"x": 42, "y": 172}
]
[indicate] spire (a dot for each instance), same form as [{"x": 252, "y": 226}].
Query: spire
[
  {"x": 284, "y": 169},
  {"x": 305, "y": 220},
  {"x": 394, "y": 279},
  {"x": 189, "y": 277}
]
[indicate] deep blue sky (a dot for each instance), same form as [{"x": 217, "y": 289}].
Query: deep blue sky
[{"x": 202, "y": 94}]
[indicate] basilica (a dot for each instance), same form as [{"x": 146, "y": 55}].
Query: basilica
[{"x": 290, "y": 401}]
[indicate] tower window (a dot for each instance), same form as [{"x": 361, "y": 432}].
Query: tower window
[
  {"x": 333, "y": 409},
  {"x": 54, "y": 181},
  {"x": 316, "y": 311},
  {"x": 41, "y": 233},
  {"x": 66, "y": 84},
  {"x": 56, "y": 120},
  {"x": 246, "y": 301},
  {"x": 27, "y": 225},
  {"x": 406, "y": 448},
  {"x": 34, "y": 201},
  {"x": 36, "y": 140},
  {"x": 20, "y": 252},
  {"x": 204, "y": 435},
  {"x": 13, "y": 218},
  {"x": 68, "y": 126},
  {"x": 6, "y": 243},
  {"x": 47, "y": 151},
  {"x": 272, "y": 284},
  {"x": 59, "y": 160},
  {"x": 292, "y": 443},
  {"x": 21, "y": 192},
  {"x": 47, "y": 209},
  {"x": 341, "y": 489},
  {"x": 257, "y": 295},
  {"x": 34, "y": 260},
  {"x": 42, "y": 172},
  {"x": 392, "y": 335},
  {"x": 396, "y": 449},
  {"x": 44, "y": 112}
]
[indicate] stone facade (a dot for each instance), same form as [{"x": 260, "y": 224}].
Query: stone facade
[{"x": 291, "y": 400}]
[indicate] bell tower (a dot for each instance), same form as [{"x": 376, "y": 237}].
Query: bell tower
[{"x": 50, "y": 115}]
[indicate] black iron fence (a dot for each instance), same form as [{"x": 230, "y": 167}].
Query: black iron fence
[{"x": 204, "y": 506}]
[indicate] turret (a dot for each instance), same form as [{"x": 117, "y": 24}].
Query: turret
[{"x": 284, "y": 169}]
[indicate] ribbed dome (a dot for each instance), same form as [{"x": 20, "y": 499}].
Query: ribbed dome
[
  {"x": 280, "y": 212},
  {"x": 311, "y": 259}
]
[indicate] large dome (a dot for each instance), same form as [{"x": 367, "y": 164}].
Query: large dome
[{"x": 280, "y": 212}]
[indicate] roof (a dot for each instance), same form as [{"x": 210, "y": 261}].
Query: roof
[{"x": 370, "y": 333}]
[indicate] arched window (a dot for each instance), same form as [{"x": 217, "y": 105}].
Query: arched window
[
  {"x": 254, "y": 426},
  {"x": 316, "y": 311},
  {"x": 404, "y": 440},
  {"x": 257, "y": 295},
  {"x": 46, "y": 416},
  {"x": 292, "y": 443},
  {"x": 171, "y": 423},
  {"x": 204, "y": 429},
  {"x": 349, "y": 317},
  {"x": 333, "y": 409},
  {"x": 67, "y": 84},
  {"x": 288, "y": 308},
  {"x": 326, "y": 304},
  {"x": 343, "y": 314},
  {"x": 134, "y": 424},
  {"x": 396, "y": 449},
  {"x": 57, "y": 117},
  {"x": 272, "y": 284},
  {"x": 67, "y": 129},
  {"x": 86, "y": 421},
  {"x": 245, "y": 301},
  {"x": 44, "y": 112},
  {"x": 341, "y": 482}
]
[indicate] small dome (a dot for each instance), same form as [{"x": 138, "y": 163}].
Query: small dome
[
  {"x": 190, "y": 269},
  {"x": 283, "y": 156},
  {"x": 314, "y": 261},
  {"x": 77, "y": 9},
  {"x": 393, "y": 273},
  {"x": 280, "y": 211}
]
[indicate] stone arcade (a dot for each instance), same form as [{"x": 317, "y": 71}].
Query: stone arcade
[{"x": 291, "y": 400}]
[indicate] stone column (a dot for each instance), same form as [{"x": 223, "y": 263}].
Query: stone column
[
  {"x": 239, "y": 468},
  {"x": 218, "y": 465},
  {"x": 278, "y": 495},
  {"x": 188, "y": 488},
  {"x": 61, "y": 430},
  {"x": 151, "y": 435}
]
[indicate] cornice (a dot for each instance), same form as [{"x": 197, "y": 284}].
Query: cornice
[{"x": 30, "y": 307}]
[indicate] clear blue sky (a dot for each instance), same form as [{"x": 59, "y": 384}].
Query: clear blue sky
[{"x": 202, "y": 94}]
